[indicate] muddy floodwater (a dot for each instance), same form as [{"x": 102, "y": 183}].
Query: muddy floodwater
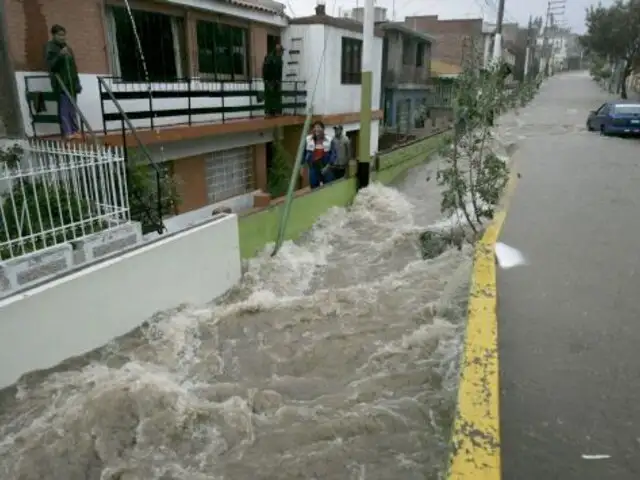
[{"x": 336, "y": 360}]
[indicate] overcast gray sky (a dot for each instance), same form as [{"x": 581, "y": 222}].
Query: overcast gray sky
[{"x": 516, "y": 10}]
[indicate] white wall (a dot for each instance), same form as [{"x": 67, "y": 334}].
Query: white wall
[
  {"x": 86, "y": 309},
  {"x": 487, "y": 54},
  {"x": 216, "y": 143},
  {"x": 331, "y": 96}
]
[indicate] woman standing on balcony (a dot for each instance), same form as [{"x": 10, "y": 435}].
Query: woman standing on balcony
[
  {"x": 319, "y": 156},
  {"x": 64, "y": 73}
]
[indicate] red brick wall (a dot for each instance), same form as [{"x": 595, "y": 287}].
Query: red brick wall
[
  {"x": 453, "y": 37},
  {"x": 29, "y": 23}
]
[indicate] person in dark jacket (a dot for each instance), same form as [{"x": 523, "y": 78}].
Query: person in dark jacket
[
  {"x": 342, "y": 147},
  {"x": 272, "y": 76},
  {"x": 62, "y": 69}
]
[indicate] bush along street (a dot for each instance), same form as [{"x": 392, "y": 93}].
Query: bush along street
[{"x": 472, "y": 176}]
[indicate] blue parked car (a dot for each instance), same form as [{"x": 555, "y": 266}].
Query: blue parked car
[{"x": 620, "y": 117}]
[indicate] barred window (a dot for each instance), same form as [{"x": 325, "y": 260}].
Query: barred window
[{"x": 229, "y": 173}]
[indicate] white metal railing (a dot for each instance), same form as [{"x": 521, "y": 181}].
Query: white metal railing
[{"x": 53, "y": 192}]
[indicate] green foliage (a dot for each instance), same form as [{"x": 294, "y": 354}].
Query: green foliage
[
  {"x": 279, "y": 174},
  {"x": 150, "y": 190},
  {"x": 473, "y": 176},
  {"x": 41, "y": 208},
  {"x": 613, "y": 32}
]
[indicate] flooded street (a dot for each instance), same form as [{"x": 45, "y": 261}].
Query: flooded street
[{"x": 336, "y": 360}]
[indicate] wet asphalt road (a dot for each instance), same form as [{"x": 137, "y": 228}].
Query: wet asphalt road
[{"x": 569, "y": 321}]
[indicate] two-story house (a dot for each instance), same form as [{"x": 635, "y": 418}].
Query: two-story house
[
  {"x": 328, "y": 54},
  {"x": 183, "y": 78},
  {"x": 406, "y": 59},
  {"x": 457, "y": 40}
]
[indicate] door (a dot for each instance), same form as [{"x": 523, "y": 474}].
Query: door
[{"x": 600, "y": 116}]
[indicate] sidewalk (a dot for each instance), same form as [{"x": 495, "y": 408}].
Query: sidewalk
[{"x": 569, "y": 321}]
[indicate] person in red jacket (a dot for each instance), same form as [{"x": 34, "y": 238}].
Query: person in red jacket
[{"x": 319, "y": 156}]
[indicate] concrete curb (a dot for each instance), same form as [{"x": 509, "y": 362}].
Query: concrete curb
[{"x": 476, "y": 453}]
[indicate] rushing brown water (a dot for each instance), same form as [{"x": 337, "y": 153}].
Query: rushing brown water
[{"x": 336, "y": 360}]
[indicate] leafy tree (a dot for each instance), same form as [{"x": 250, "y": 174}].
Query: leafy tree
[
  {"x": 614, "y": 32},
  {"x": 471, "y": 175}
]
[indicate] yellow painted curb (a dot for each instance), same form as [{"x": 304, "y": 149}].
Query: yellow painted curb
[{"x": 476, "y": 429}]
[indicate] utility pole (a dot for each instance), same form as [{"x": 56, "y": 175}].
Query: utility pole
[
  {"x": 527, "y": 50},
  {"x": 545, "y": 39},
  {"x": 366, "y": 94},
  {"x": 555, "y": 9},
  {"x": 497, "y": 40}
]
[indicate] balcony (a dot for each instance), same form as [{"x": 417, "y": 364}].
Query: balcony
[
  {"x": 408, "y": 75},
  {"x": 161, "y": 105}
]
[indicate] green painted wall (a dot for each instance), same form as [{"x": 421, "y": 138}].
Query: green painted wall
[{"x": 261, "y": 228}]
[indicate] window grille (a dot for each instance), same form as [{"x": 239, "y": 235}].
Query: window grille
[{"x": 229, "y": 173}]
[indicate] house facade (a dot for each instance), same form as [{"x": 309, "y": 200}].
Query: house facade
[
  {"x": 334, "y": 84},
  {"x": 509, "y": 44},
  {"x": 554, "y": 44},
  {"x": 406, "y": 77},
  {"x": 456, "y": 40},
  {"x": 186, "y": 77}
]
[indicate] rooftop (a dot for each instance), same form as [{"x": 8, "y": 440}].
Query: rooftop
[
  {"x": 444, "y": 69},
  {"x": 337, "y": 22},
  {"x": 403, "y": 28},
  {"x": 269, "y": 6}
]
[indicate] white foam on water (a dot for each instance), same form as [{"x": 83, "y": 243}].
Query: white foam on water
[
  {"x": 331, "y": 351},
  {"x": 336, "y": 359}
]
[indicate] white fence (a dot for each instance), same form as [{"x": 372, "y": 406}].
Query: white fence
[{"x": 53, "y": 193}]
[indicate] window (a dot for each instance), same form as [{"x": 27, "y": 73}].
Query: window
[
  {"x": 351, "y": 64},
  {"x": 421, "y": 50},
  {"x": 407, "y": 52},
  {"x": 222, "y": 50},
  {"x": 229, "y": 173},
  {"x": 627, "y": 109},
  {"x": 161, "y": 39}
]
